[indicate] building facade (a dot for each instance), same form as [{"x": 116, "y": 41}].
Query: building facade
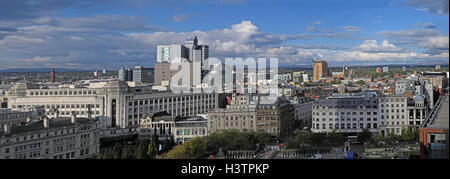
[
  {"x": 60, "y": 138},
  {"x": 303, "y": 111},
  {"x": 350, "y": 113},
  {"x": 345, "y": 113},
  {"x": 246, "y": 113},
  {"x": 180, "y": 129},
  {"x": 393, "y": 113},
  {"x": 143, "y": 75},
  {"x": 119, "y": 106},
  {"x": 168, "y": 53},
  {"x": 320, "y": 70}
]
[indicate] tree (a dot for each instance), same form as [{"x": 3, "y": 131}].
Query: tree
[
  {"x": 318, "y": 138},
  {"x": 152, "y": 150},
  {"x": 128, "y": 152},
  {"x": 335, "y": 138},
  {"x": 117, "y": 151},
  {"x": 226, "y": 139},
  {"x": 193, "y": 148},
  {"x": 377, "y": 138},
  {"x": 391, "y": 137},
  {"x": 361, "y": 82},
  {"x": 364, "y": 136},
  {"x": 167, "y": 144},
  {"x": 142, "y": 149}
]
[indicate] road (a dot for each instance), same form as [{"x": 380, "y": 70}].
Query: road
[{"x": 270, "y": 154}]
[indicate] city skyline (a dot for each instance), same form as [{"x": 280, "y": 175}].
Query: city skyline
[{"x": 96, "y": 35}]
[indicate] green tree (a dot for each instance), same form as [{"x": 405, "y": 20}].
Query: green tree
[
  {"x": 117, "y": 151},
  {"x": 364, "y": 136},
  {"x": 142, "y": 149},
  {"x": 303, "y": 137},
  {"x": 127, "y": 152},
  {"x": 361, "y": 82},
  {"x": 318, "y": 139},
  {"x": 167, "y": 144},
  {"x": 335, "y": 138},
  {"x": 391, "y": 137},
  {"x": 377, "y": 138},
  {"x": 152, "y": 150},
  {"x": 193, "y": 148}
]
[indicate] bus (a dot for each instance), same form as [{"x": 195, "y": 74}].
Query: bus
[{"x": 352, "y": 139}]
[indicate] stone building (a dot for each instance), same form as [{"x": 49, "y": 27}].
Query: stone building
[
  {"x": 180, "y": 129},
  {"x": 118, "y": 106},
  {"x": 247, "y": 113},
  {"x": 59, "y": 138}
]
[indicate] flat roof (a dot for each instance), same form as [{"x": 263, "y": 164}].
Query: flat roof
[
  {"x": 441, "y": 119},
  {"x": 38, "y": 125}
]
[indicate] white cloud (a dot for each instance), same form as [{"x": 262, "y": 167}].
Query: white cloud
[
  {"x": 350, "y": 28},
  {"x": 372, "y": 46},
  {"x": 435, "y": 42},
  {"x": 75, "y": 38},
  {"x": 37, "y": 59},
  {"x": 88, "y": 47}
]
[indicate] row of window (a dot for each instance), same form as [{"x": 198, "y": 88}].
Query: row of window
[
  {"x": 392, "y": 100},
  {"x": 15, "y": 115},
  {"x": 70, "y": 112},
  {"x": 57, "y": 106},
  {"x": 343, "y": 119},
  {"x": 79, "y": 92},
  {"x": 344, "y": 113},
  {"x": 348, "y": 126},
  {"x": 60, "y": 132},
  {"x": 208, "y": 98},
  {"x": 392, "y": 105},
  {"x": 200, "y": 131}
]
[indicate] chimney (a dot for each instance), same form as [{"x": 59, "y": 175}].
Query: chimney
[
  {"x": 6, "y": 128},
  {"x": 46, "y": 122},
  {"x": 73, "y": 117}
]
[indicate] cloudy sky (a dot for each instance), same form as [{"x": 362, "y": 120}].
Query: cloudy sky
[{"x": 95, "y": 34}]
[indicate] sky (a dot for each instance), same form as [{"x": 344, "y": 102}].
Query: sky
[{"x": 111, "y": 34}]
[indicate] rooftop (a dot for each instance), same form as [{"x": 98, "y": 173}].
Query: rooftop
[
  {"x": 38, "y": 125},
  {"x": 439, "y": 116}
]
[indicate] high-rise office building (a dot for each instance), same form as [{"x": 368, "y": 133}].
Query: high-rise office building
[
  {"x": 141, "y": 74},
  {"x": 378, "y": 70},
  {"x": 198, "y": 53},
  {"x": 320, "y": 69},
  {"x": 168, "y": 53},
  {"x": 125, "y": 74},
  {"x": 187, "y": 53},
  {"x": 137, "y": 74}
]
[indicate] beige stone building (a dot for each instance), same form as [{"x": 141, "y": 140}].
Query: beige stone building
[
  {"x": 180, "y": 129},
  {"x": 247, "y": 113},
  {"x": 119, "y": 106},
  {"x": 59, "y": 138}
]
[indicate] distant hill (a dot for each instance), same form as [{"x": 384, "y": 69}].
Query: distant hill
[{"x": 39, "y": 70}]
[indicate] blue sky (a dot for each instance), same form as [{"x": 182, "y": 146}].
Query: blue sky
[{"x": 110, "y": 34}]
